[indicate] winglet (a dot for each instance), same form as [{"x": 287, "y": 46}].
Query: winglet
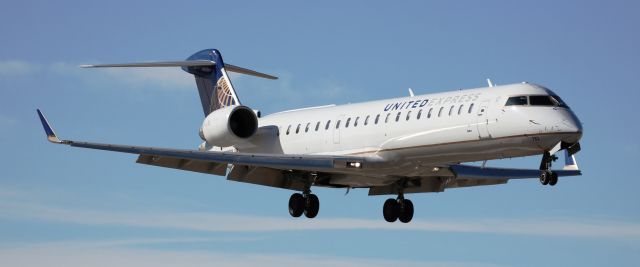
[
  {"x": 570, "y": 162},
  {"x": 51, "y": 135}
]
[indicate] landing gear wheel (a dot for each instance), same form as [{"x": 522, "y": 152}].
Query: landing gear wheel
[
  {"x": 312, "y": 206},
  {"x": 390, "y": 210},
  {"x": 296, "y": 205},
  {"x": 406, "y": 211},
  {"x": 553, "y": 179},
  {"x": 545, "y": 177}
]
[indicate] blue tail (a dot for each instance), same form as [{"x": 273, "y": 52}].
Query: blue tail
[{"x": 214, "y": 85}]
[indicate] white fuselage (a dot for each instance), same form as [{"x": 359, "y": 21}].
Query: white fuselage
[{"x": 457, "y": 126}]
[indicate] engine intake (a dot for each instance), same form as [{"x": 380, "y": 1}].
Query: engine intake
[{"x": 229, "y": 126}]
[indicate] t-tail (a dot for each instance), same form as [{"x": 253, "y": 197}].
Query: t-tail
[{"x": 214, "y": 86}]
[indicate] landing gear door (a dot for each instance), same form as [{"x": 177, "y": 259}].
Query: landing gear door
[{"x": 482, "y": 120}]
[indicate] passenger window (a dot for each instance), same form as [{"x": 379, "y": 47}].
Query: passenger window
[
  {"x": 317, "y": 126},
  {"x": 306, "y": 129},
  {"x": 327, "y": 126},
  {"x": 366, "y": 120},
  {"x": 429, "y": 113},
  {"x": 408, "y": 114},
  {"x": 338, "y": 124},
  {"x": 298, "y": 128},
  {"x": 398, "y": 116},
  {"x": 470, "y": 108},
  {"x": 386, "y": 119},
  {"x": 355, "y": 123},
  {"x": 440, "y": 111},
  {"x": 516, "y": 101},
  {"x": 540, "y": 100},
  {"x": 377, "y": 118},
  {"x": 450, "y": 110},
  {"x": 460, "y": 109},
  {"x": 346, "y": 125},
  {"x": 419, "y": 114},
  {"x": 288, "y": 129}
]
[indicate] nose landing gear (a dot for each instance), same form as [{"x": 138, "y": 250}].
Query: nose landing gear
[{"x": 548, "y": 177}]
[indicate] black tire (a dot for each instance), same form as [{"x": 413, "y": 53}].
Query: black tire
[
  {"x": 390, "y": 210},
  {"x": 296, "y": 205},
  {"x": 553, "y": 179},
  {"x": 544, "y": 178},
  {"x": 406, "y": 212},
  {"x": 312, "y": 206}
]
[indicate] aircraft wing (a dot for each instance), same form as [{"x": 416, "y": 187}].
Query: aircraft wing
[
  {"x": 461, "y": 175},
  {"x": 282, "y": 171},
  {"x": 479, "y": 173},
  {"x": 205, "y": 161}
]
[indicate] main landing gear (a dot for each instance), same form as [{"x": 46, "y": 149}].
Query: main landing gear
[
  {"x": 548, "y": 177},
  {"x": 306, "y": 203},
  {"x": 398, "y": 209}
]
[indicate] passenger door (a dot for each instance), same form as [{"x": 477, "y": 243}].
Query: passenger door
[{"x": 482, "y": 120}]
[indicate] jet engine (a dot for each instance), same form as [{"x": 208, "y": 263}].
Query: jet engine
[{"x": 229, "y": 126}]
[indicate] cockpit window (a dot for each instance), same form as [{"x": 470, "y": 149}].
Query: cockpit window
[
  {"x": 516, "y": 101},
  {"x": 536, "y": 100},
  {"x": 540, "y": 100},
  {"x": 561, "y": 103}
]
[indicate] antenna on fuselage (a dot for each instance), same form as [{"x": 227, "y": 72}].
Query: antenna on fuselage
[
  {"x": 411, "y": 94},
  {"x": 489, "y": 82}
]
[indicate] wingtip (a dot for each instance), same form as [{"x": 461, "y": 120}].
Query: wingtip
[
  {"x": 51, "y": 135},
  {"x": 570, "y": 162}
]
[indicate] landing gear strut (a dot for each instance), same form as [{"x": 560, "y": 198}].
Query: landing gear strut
[
  {"x": 398, "y": 209},
  {"x": 306, "y": 203},
  {"x": 548, "y": 177}
]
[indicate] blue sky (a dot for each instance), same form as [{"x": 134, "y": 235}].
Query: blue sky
[{"x": 70, "y": 207}]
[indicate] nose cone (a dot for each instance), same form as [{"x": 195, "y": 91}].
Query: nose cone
[{"x": 572, "y": 124}]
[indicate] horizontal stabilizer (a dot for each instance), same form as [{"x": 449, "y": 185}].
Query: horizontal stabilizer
[
  {"x": 241, "y": 70},
  {"x": 183, "y": 63}
]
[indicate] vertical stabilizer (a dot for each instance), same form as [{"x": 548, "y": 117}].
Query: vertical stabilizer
[{"x": 214, "y": 86}]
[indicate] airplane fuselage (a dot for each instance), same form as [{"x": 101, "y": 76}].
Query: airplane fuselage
[{"x": 423, "y": 130}]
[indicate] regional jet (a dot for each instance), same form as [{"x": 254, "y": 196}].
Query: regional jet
[{"x": 413, "y": 144}]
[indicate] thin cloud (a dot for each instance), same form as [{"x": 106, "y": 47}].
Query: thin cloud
[
  {"x": 214, "y": 222},
  {"x": 165, "y": 78},
  {"x": 6, "y": 121},
  {"x": 16, "y": 67},
  {"x": 69, "y": 254}
]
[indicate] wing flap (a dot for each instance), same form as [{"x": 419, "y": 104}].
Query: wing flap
[
  {"x": 184, "y": 164},
  {"x": 264, "y": 176}
]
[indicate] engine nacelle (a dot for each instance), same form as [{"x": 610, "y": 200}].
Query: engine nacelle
[{"x": 229, "y": 126}]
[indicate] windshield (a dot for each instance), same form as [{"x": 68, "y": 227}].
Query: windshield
[{"x": 536, "y": 100}]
